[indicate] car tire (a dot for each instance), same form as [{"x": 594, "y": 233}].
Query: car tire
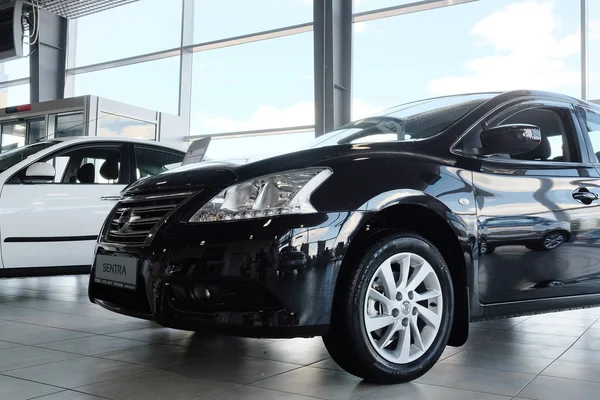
[
  {"x": 550, "y": 241},
  {"x": 416, "y": 320}
]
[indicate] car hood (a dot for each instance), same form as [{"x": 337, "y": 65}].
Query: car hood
[{"x": 227, "y": 172}]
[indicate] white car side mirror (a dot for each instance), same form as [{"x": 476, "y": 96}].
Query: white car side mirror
[{"x": 40, "y": 172}]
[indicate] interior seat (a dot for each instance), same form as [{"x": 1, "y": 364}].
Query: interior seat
[
  {"x": 87, "y": 173},
  {"x": 110, "y": 170}
]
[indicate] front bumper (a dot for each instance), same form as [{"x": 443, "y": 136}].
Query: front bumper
[{"x": 254, "y": 288}]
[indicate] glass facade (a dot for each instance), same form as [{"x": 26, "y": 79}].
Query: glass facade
[
  {"x": 14, "y": 95},
  {"x": 152, "y": 84},
  {"x": 242, "y": 67}
]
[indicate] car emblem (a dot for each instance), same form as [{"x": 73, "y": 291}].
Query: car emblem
[
  {"x": 405, "y": 308},
  {"x": 123, "y": 221}
]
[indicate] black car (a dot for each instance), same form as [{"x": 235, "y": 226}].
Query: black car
[{"x": 386, "y": 213}]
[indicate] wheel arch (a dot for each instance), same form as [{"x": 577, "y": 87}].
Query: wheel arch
[{"x": 428, "y": 217}]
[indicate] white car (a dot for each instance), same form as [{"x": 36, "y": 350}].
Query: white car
[{"x": 56, "y": 194}]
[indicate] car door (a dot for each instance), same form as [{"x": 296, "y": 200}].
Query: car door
[
  {"x": 55, "y": 223},
  {"x": 554, "y": 187}
]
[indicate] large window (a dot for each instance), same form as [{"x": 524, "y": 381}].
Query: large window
[
  {"x": 488, "y": 45},
  {"x": 114, "y": 125},
  {"x": 16, "y": 69},
  {"x": 259, "y": 85},
  {"x": 153, "y": 85},
  {"x": 221, "y": 19},
  {"x": 141, "y": 27},
  {"x": 594, "y": 49},
  {"x": 368, "y": 5},
  {"x": 256, "y": 146},
  {"x": 14, "y": 95}
]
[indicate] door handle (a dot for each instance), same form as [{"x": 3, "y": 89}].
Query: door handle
[
  {"x": 584, "y": 195},
  {"x": 110, "y": 198}
]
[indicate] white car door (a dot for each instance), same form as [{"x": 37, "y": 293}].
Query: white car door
[{"x": 56, "y": 223}]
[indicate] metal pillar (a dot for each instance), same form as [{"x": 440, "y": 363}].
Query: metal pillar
[
  {"x": 333, "y": 61},
  {"x": 48, "y": 57},
  {"x": 585, "y": 73},
  {"x": 186, "y": 61}
]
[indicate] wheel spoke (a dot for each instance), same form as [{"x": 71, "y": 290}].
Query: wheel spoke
[
  {"x": 416, "y": 334},
  {"x": 381, "y": 343},
  {"x": 375, "y": 295},
  {"x": 378, "y": 322},
  {"x": 430, "y": 294},
  {"x": 403, "y": 349},
  {"x": 419, "y": 276},
  {"x": 386, "y": 275},
  {"x": 429, "y": 316},
  {"x": 404, "y": 270}
]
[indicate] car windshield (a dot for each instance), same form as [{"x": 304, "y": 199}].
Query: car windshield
[
  {"x": 15, "y": 156},
  {"x": 411, "y": 121}
]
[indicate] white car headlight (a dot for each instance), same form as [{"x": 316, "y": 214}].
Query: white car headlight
[{"x": 277, "y": 194}]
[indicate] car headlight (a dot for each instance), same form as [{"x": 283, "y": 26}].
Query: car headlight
[{"x": 277, "y": 194}]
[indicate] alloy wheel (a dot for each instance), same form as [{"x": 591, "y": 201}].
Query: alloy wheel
[
  {"x": 403, "y": 308},
  {"x": 554, "y": 240}
]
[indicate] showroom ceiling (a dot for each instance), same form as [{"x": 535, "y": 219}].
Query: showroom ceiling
[{"x": 77, "y": 8}]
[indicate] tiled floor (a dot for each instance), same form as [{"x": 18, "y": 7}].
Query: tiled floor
[{"x": 55, "y": 345}]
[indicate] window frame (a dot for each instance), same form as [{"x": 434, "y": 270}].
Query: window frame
[
  {"x": 124, "y": 173},
  {"x": 511, "y": 107},
  {"x": 580, "y": 111}
]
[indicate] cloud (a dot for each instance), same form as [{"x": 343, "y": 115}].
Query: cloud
[
  {"x": 270, "y": 117},
  {"x": 532, "y": 47}
]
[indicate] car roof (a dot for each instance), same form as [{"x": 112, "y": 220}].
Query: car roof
[{"x": 119, "y": 139}]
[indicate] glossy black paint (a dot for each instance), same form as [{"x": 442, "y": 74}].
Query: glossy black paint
[{"x": 287, "y": 266}]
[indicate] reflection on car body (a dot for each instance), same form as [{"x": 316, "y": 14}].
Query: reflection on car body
[
  {"x": 535, "y": 233},
  {"x": 385, "y": 218}
]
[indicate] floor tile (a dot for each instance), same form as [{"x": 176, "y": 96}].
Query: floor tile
[
  {"x": 19, "y": 389},
  {"x": 69, "y": 395},
  {"x": 419, "y": 391},
  {"x": 321, "y": 383},
  {"x": 574, "y": 370},
  {"x": 157, "y": 355},
  {"x": 549, "y": 319},
  {"x": 254, "y": 393},
  {"x": 328, "y": 364},
  {"x": 239, "y": 369},
  {"x": 154, "y": 335},
  {"x": 27, "y": 356},
  {"x": 581, "y": 356},
  {"x": 476, "y": 379},
  {"x": 535, "y": 338},
  {"x": 218, "y": 345},
  {"x": 522, "y": 349},
  {"x": 449, "y": 352},
  {"x": 91, "y": 345},
  {"x": 587, "y": 343},
  {"x": 505, "y": 362},
  {"x": 295, "y": 351},
  {"x": 551, "y": 388},
  {"x": 559, "y": 330},
  {"x": 8, "y": 345},
  {"x": 85, "y": 324},
  {"x": 77, "y": 372},
  {"x": 156, "y": 385},
  {"x": 499, "y": 324},
  {"x": 34, "y": 334}
]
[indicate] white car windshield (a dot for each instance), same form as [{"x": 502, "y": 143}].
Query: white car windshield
[
  {"x": 412, "y": 121},
  {"x": 15, "y": 156}
]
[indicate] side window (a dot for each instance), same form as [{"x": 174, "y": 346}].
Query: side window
[
  {"x": 153, "y": 161},
  {"x": 592, "y": 123},
  {"x": 558, "y": 136},
  {"x": 87, "y": 165}
]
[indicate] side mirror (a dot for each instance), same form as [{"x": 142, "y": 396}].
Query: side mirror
[
  {"x": 40, "y": 172},
  {"x": 510, "y": 139}
]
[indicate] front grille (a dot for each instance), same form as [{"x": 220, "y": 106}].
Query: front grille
[{"x": 133, "y": 218}]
